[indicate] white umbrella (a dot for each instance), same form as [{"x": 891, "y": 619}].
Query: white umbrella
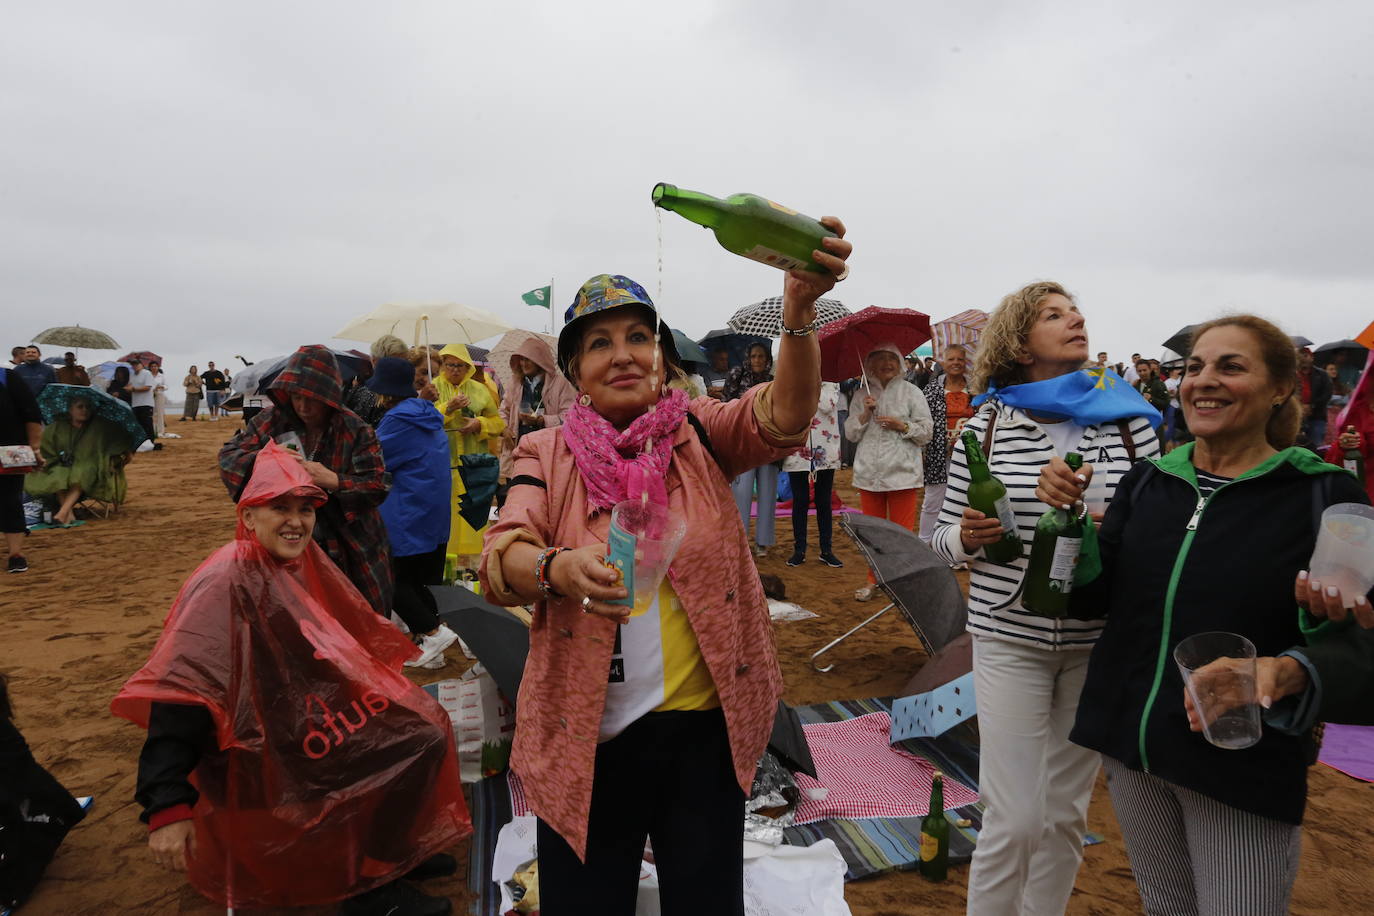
[{"x": 448, "y": 322}]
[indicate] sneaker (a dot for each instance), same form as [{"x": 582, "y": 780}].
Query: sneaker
[
  {"x": 19, "y": 564},
  {"x": 760, "y": 551},
  {"x": 439, "y": 865},
  {"x": 829, "y": 559},
  {"x": 433, "y": 646},
  {"x": 396, "y": 899},
  {"x": 797, "y": 559}
]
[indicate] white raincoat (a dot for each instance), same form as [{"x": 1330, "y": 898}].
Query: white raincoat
[{"x": 886, "y": 459}]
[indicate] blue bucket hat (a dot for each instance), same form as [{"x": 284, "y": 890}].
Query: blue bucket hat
[
  {"x": 393, "y": 377},
  {"x": 597, "y": 295}
]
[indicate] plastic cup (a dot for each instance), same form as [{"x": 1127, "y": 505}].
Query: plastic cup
[
  {"x": 656, "y": 534},
  {"x": 1219, "y": 673},
  {"x": 1344, "y": 556},
  {"x": 1099, "y": 492}
]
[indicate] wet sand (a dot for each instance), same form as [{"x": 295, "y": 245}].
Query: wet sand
[{"x": 90, "y": 608}]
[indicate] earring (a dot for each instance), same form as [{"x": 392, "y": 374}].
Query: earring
[{"x": 585, "y": 399}]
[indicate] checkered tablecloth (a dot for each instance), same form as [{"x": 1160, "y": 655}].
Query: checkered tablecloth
[{"x": 865, "y": 776}]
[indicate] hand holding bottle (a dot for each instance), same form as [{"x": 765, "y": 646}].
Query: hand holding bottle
[
  {"x": 1350, "y": 438},
  {"x": 977, "y": 531},
  {"x": 804, "y": 287},
  {"x": 1060, "y": 486}
]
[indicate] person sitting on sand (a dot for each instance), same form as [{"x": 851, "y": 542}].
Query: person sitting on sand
[
  {"x": 667, "y": 745},
  {"x": 83, "y": 455},
  {"x": 340, "y": 453},
  {"x": 289, "y": 762}
]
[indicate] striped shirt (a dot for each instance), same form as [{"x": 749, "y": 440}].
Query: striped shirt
[{"x": 1020, "y": 449}]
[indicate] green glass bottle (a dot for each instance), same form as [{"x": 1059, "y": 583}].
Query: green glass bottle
[
  {"x": 1054, "y": 554},
  {"x": 751, "y": 226},
  {"x": 1352, "y": 459},
  {"x": 935, "y": 833},
  {"x": 988, "y": 495}
]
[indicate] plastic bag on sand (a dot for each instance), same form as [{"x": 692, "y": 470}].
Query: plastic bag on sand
[{"x": 333, "y": 773}]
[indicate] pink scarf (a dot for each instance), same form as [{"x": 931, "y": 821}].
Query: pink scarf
[{"x": 614, "y": 465}]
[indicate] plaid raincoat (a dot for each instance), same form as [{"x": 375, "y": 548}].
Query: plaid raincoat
[{"x": 349, "y": 527}]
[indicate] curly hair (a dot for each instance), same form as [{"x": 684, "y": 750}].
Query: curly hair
[
  {"x": 1003, "y": 341},
  {"x": 1280, "y": 359}
]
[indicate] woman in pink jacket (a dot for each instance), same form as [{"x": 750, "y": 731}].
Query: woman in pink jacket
[{"x": 650, "y": 726}]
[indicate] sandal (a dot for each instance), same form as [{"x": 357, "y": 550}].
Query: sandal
[{"x": 864, "y": 593}]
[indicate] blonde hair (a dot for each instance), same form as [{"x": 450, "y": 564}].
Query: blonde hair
[
  {"x": 1003, "y": 341},
  {"x": 388, "y": 345},
  {"x": 1281, "y": 360}
]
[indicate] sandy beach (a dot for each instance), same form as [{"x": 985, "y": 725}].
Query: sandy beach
[{"x": 89, "y": 610}]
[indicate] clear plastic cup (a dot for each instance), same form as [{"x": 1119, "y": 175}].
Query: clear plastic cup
[
  {"x": 654, "y": 533},
  {"x": 1098, "y": 493},
  {"x": 1344, "y": 556},
  {"x": 1219, "y": 673}
]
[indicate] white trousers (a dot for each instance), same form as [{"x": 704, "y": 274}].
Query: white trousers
[
  {"x": 931, "y": 502},
  {"x": 1034, "y": 783}
]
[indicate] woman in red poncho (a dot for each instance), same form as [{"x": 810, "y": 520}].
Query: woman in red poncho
[{"x": 288, "y": 761}]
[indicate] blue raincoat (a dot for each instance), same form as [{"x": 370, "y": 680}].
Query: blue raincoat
[{"x": 415, "y": 448}]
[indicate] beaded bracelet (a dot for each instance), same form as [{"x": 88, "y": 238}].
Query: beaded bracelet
[{"x": 541, "y": 571}]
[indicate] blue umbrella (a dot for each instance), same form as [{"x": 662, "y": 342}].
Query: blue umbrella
[{"x": 55, "y": 399}]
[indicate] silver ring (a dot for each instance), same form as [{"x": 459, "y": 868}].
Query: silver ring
[
  {"x": 586, "y": 603},
  {"x": 842, "y": 274}
]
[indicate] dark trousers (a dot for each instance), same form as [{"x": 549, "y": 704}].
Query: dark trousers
[
  {"x": 801, "y": 499},
  {"x": 669, "y": 777},
  {"x": 12, "y": 504},
  {"x": 413, "y": 601},
  {"x": 144, "y": 416}
]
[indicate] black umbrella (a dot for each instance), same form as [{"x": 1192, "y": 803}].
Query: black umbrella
[
  {"x": 735, "y": 344},
  {"x": 1182, "y": 340},
  {"x": 1328, "y": 352},
  {"x": 920, "y": 583},
  {"x": 1300, "y": 341}
]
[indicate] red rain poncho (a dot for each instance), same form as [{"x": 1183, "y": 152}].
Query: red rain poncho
[{"x": 334, "y": 774}]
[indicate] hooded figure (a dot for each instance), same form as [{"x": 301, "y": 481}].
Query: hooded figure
[
  {"x": 471, "y": 419},
  {"x": 280, "y": 723},
  {"x": 340, "y": 453}
]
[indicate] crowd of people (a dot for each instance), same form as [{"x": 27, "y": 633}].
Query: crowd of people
[{"x": 356, "y": 491}]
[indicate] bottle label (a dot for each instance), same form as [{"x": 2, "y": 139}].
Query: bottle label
[
  {"x": 930, "y": 847},
  {"x": 773, "y": 258},
  {"x": 788, "y": 210},
  {"x": 1065, "y": 559},
  {"x": 1005, "y": 515},
  {"x": 1352, "y": 465}
]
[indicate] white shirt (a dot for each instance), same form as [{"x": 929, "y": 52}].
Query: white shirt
[
  {"x": 822, "y": 449},
  {"x": 1065, "y": 435},
  {"x": 138, "y": 380},
  {"x": 1130, "y": 375}
]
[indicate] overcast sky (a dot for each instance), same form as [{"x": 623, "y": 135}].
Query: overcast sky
[{"x": 209, "y": 179}]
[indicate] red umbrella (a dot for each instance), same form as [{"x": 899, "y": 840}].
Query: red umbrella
[
  {"x": 845, "y": 342},
  {"x": 143, "y": 356}
]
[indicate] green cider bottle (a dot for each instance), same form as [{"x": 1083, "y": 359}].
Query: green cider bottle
[
  {"x": 988, "y": 495},
  {"x": 1054, "y": 555},
  {"x": 1352, "y": 459},
  {"x": 750, "y": 226},
  {"x": 935, "y": 833}
]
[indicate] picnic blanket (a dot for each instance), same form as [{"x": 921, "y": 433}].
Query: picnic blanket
[
  {"x": 863, "y": 776},
  {"x": 1350, "y": 749}
]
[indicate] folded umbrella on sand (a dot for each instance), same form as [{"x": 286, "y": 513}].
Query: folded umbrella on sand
[
  {"x": 55, "y": 399},
  {"x": 920, "y": 584}
]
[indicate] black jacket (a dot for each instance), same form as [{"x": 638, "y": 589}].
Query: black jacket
[
  {"x": 1162, "y": 582},
  {"x": 1320, "y": 384}
]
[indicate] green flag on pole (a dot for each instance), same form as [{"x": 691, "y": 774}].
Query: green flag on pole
[{"x": 539, "y": 297}]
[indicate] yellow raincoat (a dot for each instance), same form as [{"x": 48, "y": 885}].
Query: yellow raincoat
[{"x": 482, "y": 404}]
